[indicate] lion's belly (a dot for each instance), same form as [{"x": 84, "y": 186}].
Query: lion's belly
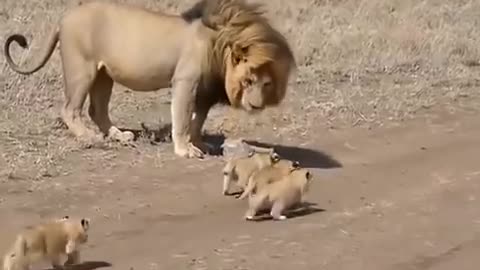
[
  {"x": 141, "y": 60},
  {"x": 142, "y": 81},
  {"x": 140, "y": 74}
]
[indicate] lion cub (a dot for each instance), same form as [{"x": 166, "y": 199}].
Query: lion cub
[
  {"x": 240, "y": 169},
  {"x": 48, "y": 241},
  {"x": 280, "y": 195},
  {"x": 268, "y": 174}
]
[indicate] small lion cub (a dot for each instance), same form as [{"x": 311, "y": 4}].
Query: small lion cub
[
  {"x": 280, "y": 195},
  {"x": 269, "y": 174},
  {"x": 48, "y": 242},
  {"x": 238, "y": 170}
]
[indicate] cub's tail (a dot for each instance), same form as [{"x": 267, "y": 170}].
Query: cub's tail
[{"x": 19, "y": 249}]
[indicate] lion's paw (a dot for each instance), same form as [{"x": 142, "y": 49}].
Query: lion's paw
[
  {"x": 204, "y": 147},
  {"x": 124, "y": 137},
  {"x": 89, "y": 139},
  {"x": 190, "y": 151}
]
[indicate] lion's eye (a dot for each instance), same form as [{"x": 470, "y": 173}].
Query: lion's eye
[
  {"x": 248, "y": 82},
  {"x": 267, "y": 83}
]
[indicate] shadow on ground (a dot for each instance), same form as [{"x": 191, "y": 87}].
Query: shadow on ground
[
  {"x": 308, "y": 158},
  {"x": 88, "y": 265},
  {"x": 160, "y": 135},
  {"x": 302, "y": 209}
]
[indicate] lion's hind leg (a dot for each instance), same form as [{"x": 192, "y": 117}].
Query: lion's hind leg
[
  {"x": 79, "y": 75},
  {"x": 100, "y": 94}
]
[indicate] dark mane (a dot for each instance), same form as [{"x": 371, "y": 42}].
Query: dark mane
[
  {"x": 236, "y": 22},
  {"x": 194, "y": 12}
]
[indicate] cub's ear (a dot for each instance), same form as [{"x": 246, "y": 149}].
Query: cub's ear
[
  {"x": 85, "y": 222},
  {"x": 275, "y": 157},
  {"x": 239, "y": 54},
  {"x": 295, "y": 166},
  {"x": 64, "y": 218}
]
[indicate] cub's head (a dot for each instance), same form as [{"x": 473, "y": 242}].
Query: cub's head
[
  {"x": 265, "y": 157},
  {"x": 257, "y": 70},
  {"x": 77, "y": 229},
  {"x": 286, "y": 166},
  {"x": 302, "y": 177}
]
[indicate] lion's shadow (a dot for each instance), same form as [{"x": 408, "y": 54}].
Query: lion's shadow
[
  {"x": 87, "y": 265},
  {"x": 155, "y": 136},
  {"x": 308, "y": 158}
]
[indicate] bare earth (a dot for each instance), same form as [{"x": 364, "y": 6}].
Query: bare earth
[{"x": 385, "y": 114}]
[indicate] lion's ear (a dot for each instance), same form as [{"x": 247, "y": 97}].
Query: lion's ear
[{"x": 239, "y": 53}]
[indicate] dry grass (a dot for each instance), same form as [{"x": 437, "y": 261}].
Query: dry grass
[{"x": 360, "y": 62}]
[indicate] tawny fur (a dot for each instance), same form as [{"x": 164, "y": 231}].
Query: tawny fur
[
  {"x": 280, "y": 196},
  {"x": 267, "y": 175},
  {"x": 49, "y": 241},
  {"x": 216, "y": 52},
  {"x": 239, "y": 169}
]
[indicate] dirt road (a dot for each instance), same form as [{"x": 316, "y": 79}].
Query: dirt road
[
  {"x": 403, "y": 198},
  {"x": 402, "y": 195}
]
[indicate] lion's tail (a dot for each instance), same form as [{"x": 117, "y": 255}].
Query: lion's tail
[{"x": 22, "y": 41}]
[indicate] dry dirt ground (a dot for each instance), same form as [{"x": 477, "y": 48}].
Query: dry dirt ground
[{"x": 383, "y": 110}]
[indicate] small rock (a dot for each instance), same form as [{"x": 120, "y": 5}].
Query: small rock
[{"x": 233, "y": 148}]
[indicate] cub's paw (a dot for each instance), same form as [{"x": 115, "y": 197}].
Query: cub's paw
[
  {"x": 249, "y": 218},
  {"x": 279, "y": 218}
]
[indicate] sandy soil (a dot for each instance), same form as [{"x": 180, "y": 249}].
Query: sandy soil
[
  {"x": 389, "y": 128},
  {"x": 402, "y": 198}
]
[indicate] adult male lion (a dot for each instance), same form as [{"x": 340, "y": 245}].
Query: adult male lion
[{"x": 216, "y": 52}]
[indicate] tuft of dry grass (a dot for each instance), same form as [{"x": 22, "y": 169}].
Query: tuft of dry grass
[{"x": 361, "y": 62}]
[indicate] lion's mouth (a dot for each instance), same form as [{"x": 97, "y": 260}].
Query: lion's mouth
[
  {"x": 255, "y": 108},
  {"x": 250, "y": 106}
]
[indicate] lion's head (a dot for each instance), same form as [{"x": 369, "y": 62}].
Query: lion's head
[{"x": 254, "y": 59}]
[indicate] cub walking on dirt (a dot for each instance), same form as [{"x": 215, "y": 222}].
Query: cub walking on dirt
[
  {"x": 48, "y": 242},
  {"x": 269, "y": 174},
  {"x": 239, "y": 169},
  {"x": 280, "y": 195}
]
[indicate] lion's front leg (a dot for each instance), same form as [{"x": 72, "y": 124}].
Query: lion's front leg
[
  {"x": 183, "y": 103},
  {"x": 199, "y": 117}
]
